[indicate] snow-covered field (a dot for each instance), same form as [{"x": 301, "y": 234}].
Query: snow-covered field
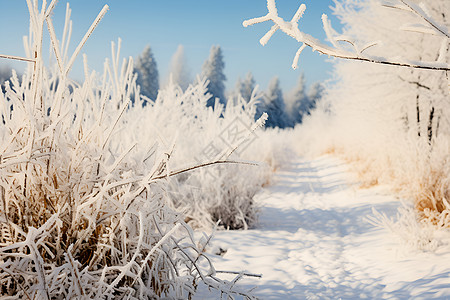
[{"x": 314, "y": 241}]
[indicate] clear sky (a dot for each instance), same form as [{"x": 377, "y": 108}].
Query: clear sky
[{"x": 196, "y": 24}]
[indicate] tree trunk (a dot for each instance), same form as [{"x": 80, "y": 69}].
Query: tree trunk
[{"x": 430, "y": 125}]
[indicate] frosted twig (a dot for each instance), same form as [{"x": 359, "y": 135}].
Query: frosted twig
[
  {"x": 259, "y": 123},
  {"x": 55, "y": 43},
  {"x": 369, "y": 45},
  {"x": 18, "y": 58},
  {"x": 85, "y": 38},
  {"x": 243, "y": 273},
  {"x": 297, "y": 56},
  {"x": 201, "y": 166},
  {"x": 422, "y": 14},
  {"x": 291, "y": 29},
  {"x": 39, "y": 265},
  {"x": 74, "y": 269},
  {"x": 16, "y": 281},
  {"x": 149, "y": 254},
  {"x": 50, "y": 8},
  {"x": 67, "y": 31}
]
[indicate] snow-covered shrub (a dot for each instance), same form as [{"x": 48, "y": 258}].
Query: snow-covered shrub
[
  {"x": 425, "y": 178},
  {"x": 274, "y": 146},
  {"x": 203, "y": 134},
  {"x": 415, "y": 232},
  {"x": 83, "y": 204},
  {"x": 220, "y": 194}
]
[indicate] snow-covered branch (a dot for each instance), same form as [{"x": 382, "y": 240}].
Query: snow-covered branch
[
  {"x": 338, "y": 48},
  {"x": 421, "y": 11}
]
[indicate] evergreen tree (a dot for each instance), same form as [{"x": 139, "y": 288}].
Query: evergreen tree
[
  {"x": 179, "y": 69},
  {"x": 213, "y": 71},
  {"x": 296, "y": 100},
  {"x": 5, "y": 74},
  {"x": 148, "y": 77},
  {"x": 315, "y": 94},
  {"x": 245, "y": 87},
  {"x": 274, "y": 105}
]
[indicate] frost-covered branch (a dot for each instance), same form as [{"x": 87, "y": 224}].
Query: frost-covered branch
[
  {"x": 421, "y": 12},
  {"x": 337, "y": 49}
]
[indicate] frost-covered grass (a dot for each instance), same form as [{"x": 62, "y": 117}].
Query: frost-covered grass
[
  {"x": 414, "y": 232},
  {"x": 201, "y": 134},
  {"x": 86, "y": 180}
]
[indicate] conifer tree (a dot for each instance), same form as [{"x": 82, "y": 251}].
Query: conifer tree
[
  {"x": 274, "y": 105},
  {"x": 245, "y": 87},
  {"x": 315, "y": 94},
  {"x": 5, "y": 74},
  {"x": 179, "y": 69},
  {"x": 213, "y": 70},
  {"x": 148, "y": 77},
  {"x": 296, "y": 100}
]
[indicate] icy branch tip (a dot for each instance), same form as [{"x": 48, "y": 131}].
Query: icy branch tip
[
  {"x": 297, "y": 56},
  {"x": 262, "y": 120},
  {"x": 102, "y": 12},
  {"x": 246, "y": 23},
  {"x": 271, "y": 6},
  {"x": 299, "y": 14},
  {"x": 253, "y": 21}
]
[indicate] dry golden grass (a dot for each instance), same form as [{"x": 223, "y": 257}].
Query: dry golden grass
[
  {"x": 431, "y": 200},
  {"x": 428, "y": 187}
]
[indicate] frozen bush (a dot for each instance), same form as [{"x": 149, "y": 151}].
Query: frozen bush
[
  {"x": 204, "y": 134},
  {"x": 83, "y": 204},
  {"x": 415, "y": 232}
]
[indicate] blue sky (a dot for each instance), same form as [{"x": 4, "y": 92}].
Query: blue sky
[{"x": 196, "y": 24}]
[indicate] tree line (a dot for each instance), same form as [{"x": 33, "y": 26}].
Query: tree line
[{"x": 284, "y": 109}]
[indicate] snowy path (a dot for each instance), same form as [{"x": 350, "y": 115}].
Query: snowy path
[{"x": 313, "y": 242}]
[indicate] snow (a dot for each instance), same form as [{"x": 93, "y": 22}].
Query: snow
[{"x": 313, "y": 241}]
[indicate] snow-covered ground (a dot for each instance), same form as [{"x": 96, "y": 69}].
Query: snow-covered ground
[{"x": 314, "y": 242}]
